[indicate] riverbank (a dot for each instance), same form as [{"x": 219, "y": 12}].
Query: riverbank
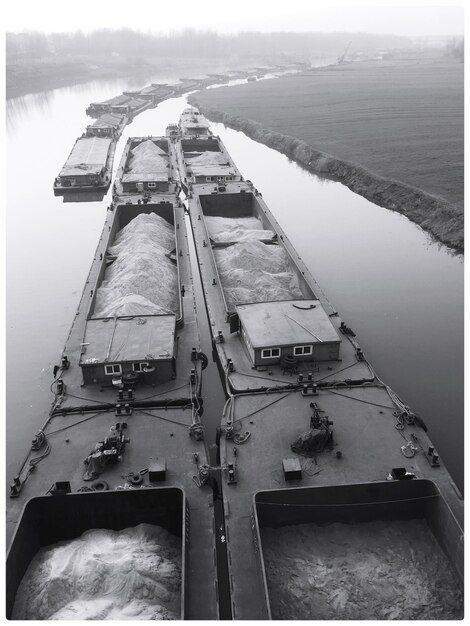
[
  {"x": 33, "y": 77},
  {"x": 36, "y": 76},
  {"x": 391, "y": 131}
]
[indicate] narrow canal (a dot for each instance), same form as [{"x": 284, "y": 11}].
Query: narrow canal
[{"x": 401, "y": 293}]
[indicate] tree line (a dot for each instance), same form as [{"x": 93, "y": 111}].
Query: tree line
[{"x": 190, "y": 43}]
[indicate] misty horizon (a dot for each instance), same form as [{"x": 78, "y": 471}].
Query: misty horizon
[
  {"x": 182, "y": 32},
  {"x": 299, "y": 17}
]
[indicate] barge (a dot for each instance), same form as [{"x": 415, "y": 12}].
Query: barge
[
  {"x": 88, "y": 167},
  {"x": 87, "y": 172},
  {"x": 123, "y": 443},
  {"x": 123, "y": 105},
  {"x": 326, "y": 499},
  {"x": 311, "y": 437}
]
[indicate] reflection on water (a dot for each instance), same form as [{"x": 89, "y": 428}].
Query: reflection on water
[
  {"x": 19, "y": 108},
  {"x": 401, "y": 293}
]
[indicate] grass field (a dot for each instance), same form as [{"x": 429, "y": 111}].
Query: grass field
[{"x": 401, "y": 119}]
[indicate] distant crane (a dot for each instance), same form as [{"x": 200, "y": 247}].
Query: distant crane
[{"x": 341, "y": 59}]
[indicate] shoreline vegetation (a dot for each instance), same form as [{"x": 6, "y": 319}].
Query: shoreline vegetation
[
  {"x": 429, "y": 150},
  {"x": 432, "y": 214},
  {"x": 26, "y": 78},
  {"x": 33, "y": 77}
]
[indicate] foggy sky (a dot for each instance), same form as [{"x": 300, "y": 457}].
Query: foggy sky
[{"x": 231, "y": 16}]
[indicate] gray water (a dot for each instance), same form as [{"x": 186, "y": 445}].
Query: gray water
[{"x": 400, "y": 292}]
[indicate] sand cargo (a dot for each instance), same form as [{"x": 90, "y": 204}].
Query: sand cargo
[
  {"x": 383, "y": 549},
  {"x": 46, "y": 521}
]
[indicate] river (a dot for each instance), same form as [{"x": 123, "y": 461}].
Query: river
[{"x": 401, "y": 292}]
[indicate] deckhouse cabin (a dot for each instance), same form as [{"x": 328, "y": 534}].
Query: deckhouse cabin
[
  {"x": 298, "y": 329},
  {"x": 138, "y": 349}
]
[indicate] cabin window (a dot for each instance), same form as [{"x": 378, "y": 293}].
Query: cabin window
[
  {"x": 229, "y": 178},
  {"x": 139, "y": 367},
  {"x": 302, "y": 350},
  {"x": 270, "y": 353},
  {"x": 111, "y": 370},
  {"x": 152, "y": 185},
  {"x": 209, "y": 179}
]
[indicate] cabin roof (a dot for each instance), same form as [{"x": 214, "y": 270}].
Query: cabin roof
[
  {"x": 88, "y": 156},
  {"x": 289, "y": 322},
  {"x": 108, "y": 120},
  {"x": 142, "y": 337}
]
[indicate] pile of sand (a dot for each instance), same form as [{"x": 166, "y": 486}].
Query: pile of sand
[
  {"x": 223, "y": 229},
  {"x": 104, "y": 574},
  {"x": 147, "y": 158},
  {"x": 208, "y": 157},
  {"x": 255, "y": 272},
  {"x": 142, "y": 280},
  {"x": 147, "y": 147},
  {"x": 373, "y": 570},
  {"x": 209, "y": 164}
]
